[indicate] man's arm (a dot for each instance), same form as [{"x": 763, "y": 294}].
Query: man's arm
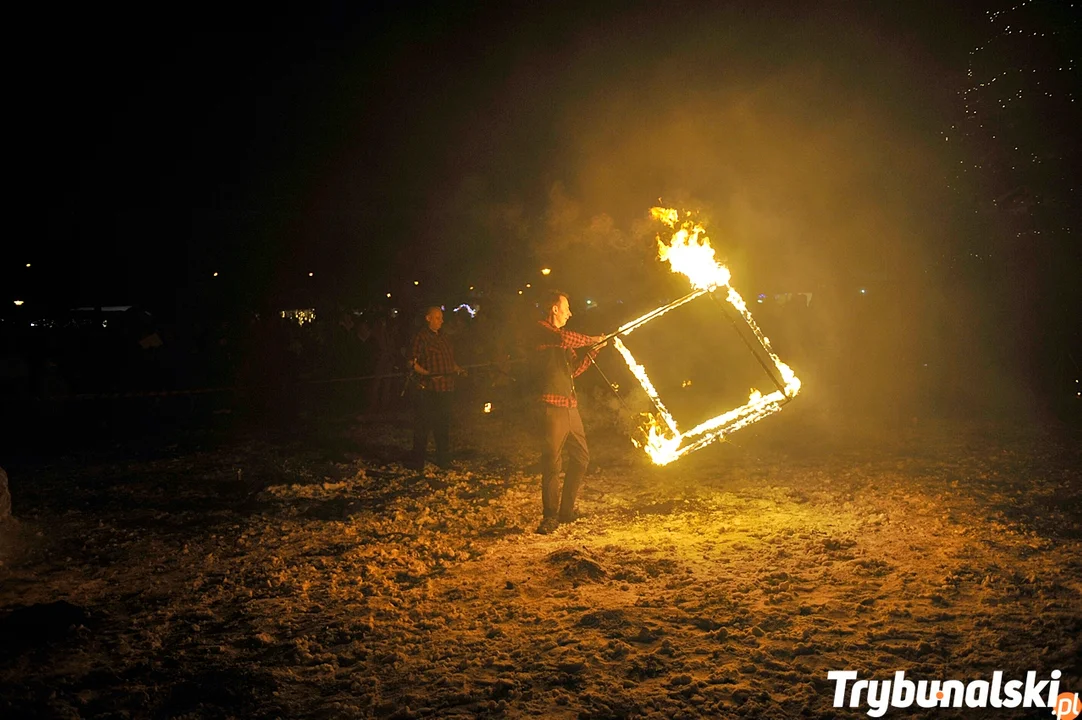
[
  {"x": 415, "y": 352},
  {"x": 569, "y": 339},
  {"x": 590, "y": 355}
]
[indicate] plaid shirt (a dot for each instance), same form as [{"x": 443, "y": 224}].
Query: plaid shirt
[
  {"x": 566, "y": 340},
  {"x": 433, "y": 352}
]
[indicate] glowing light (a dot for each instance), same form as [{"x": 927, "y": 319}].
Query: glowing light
[
  {"x": 689, "y": 253},
  {"x": 215, "y": 274},
  {"x": 311, "y": 274},
  {"x": 301, "y": 316},
  {"x": 472, "y": 312},
  {"x": 416, "y": 283},
  {"x": 546, "y": 271},
  {"x": 519, "y": 292},
  {"x": 487, "y": 408},
  {"x": 388, "y": 294},
  {"x": 528, "y": 285},
  {"x": 28, "y": 264},
  {"x": 18, "y": 302}
]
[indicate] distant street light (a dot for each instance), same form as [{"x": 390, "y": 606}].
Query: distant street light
[
  {"x": 215, "y": 274},
  {"x": 528, "y": 285},
  {"x": 18, "y": 302},
  {"x": 388, "y": 294},
  {"x": 28, "y": 264},
  {"x": 546, "y": 271},
  {"x": 416, "y": 282},
  {"x": 311, "y": 274}
]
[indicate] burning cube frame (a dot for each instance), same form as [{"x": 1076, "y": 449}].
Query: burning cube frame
[{"x": 689, "y": 252}]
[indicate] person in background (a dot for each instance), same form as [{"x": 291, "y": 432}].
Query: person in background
[
  {"x": 556, "y": 365},
  {"x": 433, "y": 359}
]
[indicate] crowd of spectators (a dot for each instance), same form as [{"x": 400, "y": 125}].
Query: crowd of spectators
[{"x": 129, "y": 352}]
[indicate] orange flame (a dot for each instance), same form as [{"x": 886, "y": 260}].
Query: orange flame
[{"x": 689, "y": 252}]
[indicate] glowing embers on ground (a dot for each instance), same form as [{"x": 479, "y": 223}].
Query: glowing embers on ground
[{"x": 689, "y": 253}]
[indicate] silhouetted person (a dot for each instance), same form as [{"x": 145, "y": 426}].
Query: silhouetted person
[{"x": 433, "y": 359}]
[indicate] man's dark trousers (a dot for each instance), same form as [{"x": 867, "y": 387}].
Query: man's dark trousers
[
  {"x": 563, "y": 432},
  {"x": 432, "y": 415}
]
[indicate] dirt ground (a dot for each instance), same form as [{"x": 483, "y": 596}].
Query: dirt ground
[{"x": 306, "y": 574}]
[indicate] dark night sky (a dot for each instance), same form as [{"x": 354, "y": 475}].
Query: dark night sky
[{"x": 465, "y": 143}]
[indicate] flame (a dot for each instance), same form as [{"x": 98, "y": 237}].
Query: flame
[
  {"x": 662, "y": 438},
  {"x": 689, "y": 253},
  {"x": 640, "y": 373},
  {"x": 669, "y": 216}
]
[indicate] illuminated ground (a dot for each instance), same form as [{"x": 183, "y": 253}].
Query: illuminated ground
[{"x": 323, "y": 581}]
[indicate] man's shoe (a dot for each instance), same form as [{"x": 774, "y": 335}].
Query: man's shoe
[
  {"x": 548, "y": 526},
  {"x": 569, "y": 518}
]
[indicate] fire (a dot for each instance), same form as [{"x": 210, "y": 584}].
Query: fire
[{"x": 688, "y": 252}]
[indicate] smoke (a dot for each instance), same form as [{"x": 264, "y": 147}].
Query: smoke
[
  {"x": 804, "y": 189},
  {"x": 810, "y": 147}
]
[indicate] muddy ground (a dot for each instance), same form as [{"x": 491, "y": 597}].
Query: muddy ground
[{"x": 305, "y": 574}]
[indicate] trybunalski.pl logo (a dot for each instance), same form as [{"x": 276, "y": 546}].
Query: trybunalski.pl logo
[{"x": 882, "y": 695}]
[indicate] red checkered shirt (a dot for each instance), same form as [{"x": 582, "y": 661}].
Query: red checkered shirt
[
  {"x": 434, "y": 353},
  {"x": 566, "y": 340}
]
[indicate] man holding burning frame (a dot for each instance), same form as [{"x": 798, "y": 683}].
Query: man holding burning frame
[{"x": 556, "y": 365}]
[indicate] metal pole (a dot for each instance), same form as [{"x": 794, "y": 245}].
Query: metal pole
[
  {"x": 638, "y": 322},
  {"x": 770, "y": 370},
  {"x": 608, "y": 382}
]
